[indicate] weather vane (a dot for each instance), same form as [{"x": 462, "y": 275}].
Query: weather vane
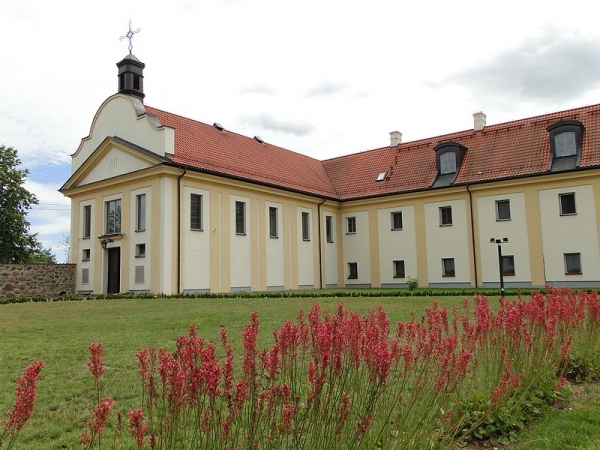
[{"x": 129, "y": 36}]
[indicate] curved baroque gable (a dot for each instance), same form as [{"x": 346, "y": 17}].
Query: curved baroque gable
[{"x": 125, "y": 117}]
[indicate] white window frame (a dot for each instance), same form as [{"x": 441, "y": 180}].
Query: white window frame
[{"x": 351, "y": 225}]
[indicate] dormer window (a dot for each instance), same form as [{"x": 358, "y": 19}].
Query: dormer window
[
  {"x": 566, "y": 141},
  {"x": 447, "y": 163},
  {"x": 449, "y": 157},
  {"x": 564, "y": 144}
]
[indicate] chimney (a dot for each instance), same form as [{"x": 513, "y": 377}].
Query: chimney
[
  {"x": 395, "y": 138},
  {"x": 479, "y": 121}
]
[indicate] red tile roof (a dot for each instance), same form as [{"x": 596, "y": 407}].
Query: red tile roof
[
  {"x": 206, "y": 148},
  {"x": 508, "y": 150}
]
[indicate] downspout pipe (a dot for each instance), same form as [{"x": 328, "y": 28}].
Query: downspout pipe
[
  {"x": 473, "y": 236},
  {"x": 320, "y": 246},
  {"x": 179, "y": 235}
]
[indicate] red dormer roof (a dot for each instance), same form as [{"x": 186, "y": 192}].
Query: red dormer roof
[{"x": 503, "y": 151}]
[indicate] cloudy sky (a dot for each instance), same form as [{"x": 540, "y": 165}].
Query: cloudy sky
[{"x": 321, "y": 77}]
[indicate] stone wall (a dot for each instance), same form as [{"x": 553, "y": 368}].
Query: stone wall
[{"x": 29, "y": 280}]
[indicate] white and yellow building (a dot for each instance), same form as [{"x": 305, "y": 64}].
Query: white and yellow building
[{"x": 162, "y": 203}]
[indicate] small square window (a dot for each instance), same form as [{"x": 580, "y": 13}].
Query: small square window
[
  {"x": 448, "y": 267},
  {"x": 508, "y": 265},
  {"x": 445, "y": 216},
  {"x": 399, "y": 269},
  {"x": 351, "y": 225},
  {"x": 396, "y": 220},
  {"x": 329, "y": 228},
  {"x": 567, "y": 204},
  {"x": 140, "y": 250},
  {"x": 573, "y": 263},
  {"x": 381, "y": 176},
  {"x": 352, "y": 271},
  {"x": 85, "y": 256},
  {"x": 503, "y": 210}
]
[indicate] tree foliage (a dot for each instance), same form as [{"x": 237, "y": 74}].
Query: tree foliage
[{"x": 17, "y": 244}]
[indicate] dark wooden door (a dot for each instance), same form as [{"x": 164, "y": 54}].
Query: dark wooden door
[{"x": 114, "y": 270}]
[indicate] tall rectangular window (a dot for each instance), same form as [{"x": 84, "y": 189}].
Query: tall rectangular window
[
  {"x": 352, "y": 271},
  {"x": 445, "y": 216},
  {"x": 503, "y": 210},
  {"x": 396, "y": 221},
  {"x": 508, "y": 265},
  {"x": 113, "y": 217},
  {"x": 240, "y": 217},
  {"x": 573, "y": 263},
  {"x": 273, "y": 222},
  {"x": 140, "y": 223},
  {"x": 329, "y": 228},
  {"x": 196, "y": 212},
  {"x": 87, "y": 221},
  {"x": 448, "y": 267},
  {"x": 567, "y": 204},
  {"x": 305, "y": 226},
  {"x": 350, "y": 225},
  {"x": 399, "y": 269}
]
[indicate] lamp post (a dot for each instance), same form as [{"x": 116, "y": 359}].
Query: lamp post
[{"x": 499, "y": 242}]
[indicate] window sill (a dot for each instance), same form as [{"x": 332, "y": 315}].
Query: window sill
[
  {"x": 196, "y": 229},
  {"x": 351, "y": 232},
  {"x": 140, "y": 256},
  {"x": 241, "y": 234},
  {"x": 508, "y": 274},
  {"x": 274, "y": 237},
  {"x": 84, "y": 260},
  {"x": 140, "y": 231},
  {"x": 445, "y": 224},
  {"x": 396, "y": 229},
  {"x": 573, "y": 272},
  {"x": 399, "y": 276},
  {"x": 305, "y": 240},
  {"x": 330, "y": 242},
  {"x": 352, "y": 277},
  {"x": 503, "y": 220},
  {"x": 448, "y": 276},
  {"x": 85, "y": 237},
  {"x": 568, "y": 214}
]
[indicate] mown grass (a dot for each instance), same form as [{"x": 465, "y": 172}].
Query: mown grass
[
  {"x": 575, "y": 426},
  {"x": 59, "y": 333}
]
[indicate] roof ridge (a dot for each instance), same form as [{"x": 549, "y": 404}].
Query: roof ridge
[{"x": 233, "y": 132}]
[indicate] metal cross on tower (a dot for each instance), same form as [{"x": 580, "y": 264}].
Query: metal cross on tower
[{"x": 129, "y": 36}]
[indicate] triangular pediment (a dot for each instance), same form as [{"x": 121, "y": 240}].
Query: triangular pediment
[{"x": 115, "y": 157}]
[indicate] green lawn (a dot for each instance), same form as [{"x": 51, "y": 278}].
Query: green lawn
[{"x": 59, "y": 333}]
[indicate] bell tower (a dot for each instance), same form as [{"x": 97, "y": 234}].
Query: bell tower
[
  {"x": 131, "y": 71},
  {"x": 131, "y": 76}
]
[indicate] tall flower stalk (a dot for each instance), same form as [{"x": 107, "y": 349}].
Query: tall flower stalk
[{"x": 22, "y": 408}]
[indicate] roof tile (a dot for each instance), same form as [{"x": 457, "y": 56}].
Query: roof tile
[{"x": 508, "y": 150}]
